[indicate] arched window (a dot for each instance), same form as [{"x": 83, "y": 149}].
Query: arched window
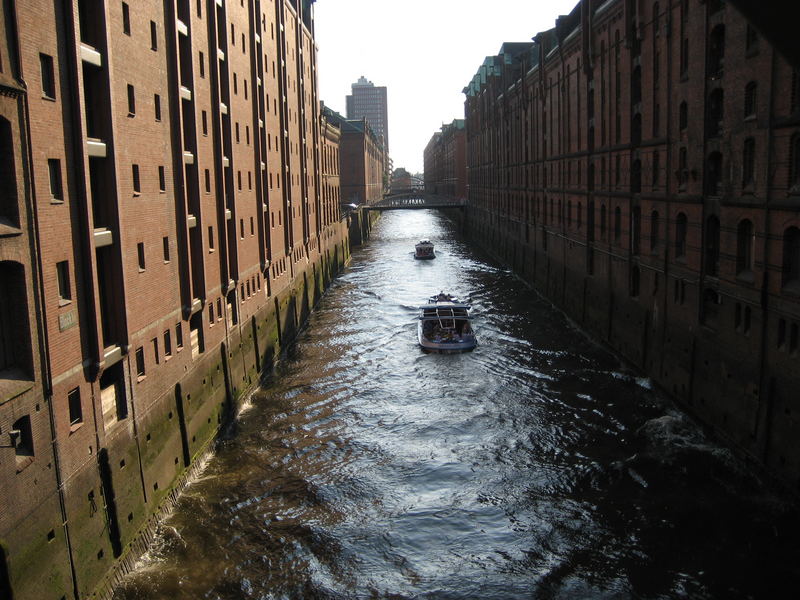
[
  {"x": 712, "y": 246},
  {"x": 9, "y": 205},
  {"x": 791, "y": 258},
  {"x": 617, "y": 224},
  {"x": 745, "y": 240},
  {"x": 750, "y": 97},
  {"x": 654, "y": 230},
  {"x": 713, "y": 183},
  {"x": 748, "y": 162},
  {"x": 636, "y": 230},
  {"x": 680, "y": 235},
  {"x": 716, "y": 50}
]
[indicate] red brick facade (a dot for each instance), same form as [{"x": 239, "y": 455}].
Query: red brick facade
[
  {"x": 445, "y": 161},
  {"x": 166, "y": 167},
  {"x": 640, "y": 163}
]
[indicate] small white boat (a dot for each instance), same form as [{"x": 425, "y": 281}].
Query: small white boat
[
  {"x": 444, "y": 325},
  {"x": 424, "y": 250}
]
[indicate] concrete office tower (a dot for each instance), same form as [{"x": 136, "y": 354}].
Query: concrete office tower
[
  {"x": 369, "y": 101},
  {"x": 165, "y": 223}
]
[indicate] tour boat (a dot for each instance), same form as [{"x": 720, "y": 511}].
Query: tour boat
[
  {"x": 444, "y": 325},
  {"x": 424, "y": 250}
]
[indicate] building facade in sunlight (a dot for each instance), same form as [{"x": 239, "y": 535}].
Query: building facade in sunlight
[
  {"x": 640, "y": 164},
  {"x": 169, "y": 213}
]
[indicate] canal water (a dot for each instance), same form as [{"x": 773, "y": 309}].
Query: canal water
[{"x": 536, "y": 466}]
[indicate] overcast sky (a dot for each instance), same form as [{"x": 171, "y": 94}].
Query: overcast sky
[{"x": 423, "y": 51}]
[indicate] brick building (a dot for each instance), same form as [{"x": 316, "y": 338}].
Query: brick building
[
  {"x": 445, "y": 161},
  {"x": 169, "y": 213},
  {"x": 362, "y": 160},
  {"x": 640, "y": 163}
]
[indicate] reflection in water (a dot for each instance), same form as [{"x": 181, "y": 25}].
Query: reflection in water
[{"x": 534, "y": 466}]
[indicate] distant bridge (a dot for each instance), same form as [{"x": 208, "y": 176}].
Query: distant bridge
[{"x": 415, "y": 200}]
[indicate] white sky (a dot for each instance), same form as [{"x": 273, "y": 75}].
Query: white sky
[{"x": 423, "y": 51}]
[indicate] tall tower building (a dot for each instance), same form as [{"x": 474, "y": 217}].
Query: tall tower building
[{"x": 369, "y": 100}]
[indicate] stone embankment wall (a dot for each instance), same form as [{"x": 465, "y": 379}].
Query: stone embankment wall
[
  {"x": 748, "y": 398},
  {"x": 112, "y": 506}
]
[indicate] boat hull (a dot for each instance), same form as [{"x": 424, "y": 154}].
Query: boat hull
[{"x": 449, "y": 347}]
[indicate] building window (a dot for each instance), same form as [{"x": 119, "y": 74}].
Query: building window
[
  {"x": 165, "y": 244},
  {"x": 75, "y": 410},
  {"x": 654, "y": 230},
  {"x": 716, "y": 50},
  {"x": 712, "y": 246},
  {"x": 204, "y": 120},
  {"x": 48, "y": 76},
  {"x": 617, "y": 224},
  {"x": 54, "y": 171},
  {"x": 140, "y": 370},
  {"x": 713, "y": 183},
  {"x": 745, "y": 240},
  {"x": 64, "y": 287},
  {"x": 636, "y": 177},
  {"x": 751, "y": 41},
  {"x": 162, "y": 179},
  {"x": 603, "y": 221},
  {"x": 683, "y": 116},
  {"x": 683, "y": 169},
  {"x": 680, "y": 235},
  {"x": 137, "y": 184},
  {"x": 126, "y": 19},
  {"x": 140, "y": 255},
  {"x": 656, "y": 168},
  {"x": 131, "y": 101},
  {"x": 167, "y": 344},
  {"x": 791, "y": 259},
  {"x": 178, "y": 335},
  {"x": 207, "y": 178},
  {"x": 716, "y": 112},
  {"x": 684, "y": 57},
  {"x": 156, "y": 358},
  {"x": 748, "y": 162},
  {"x": 157, "y": 105},
  {"x": 210, "y": 238},
  {"x": 22, "y": 440},
  {"x": 153, "y": 36},
  {"x": 750, "y": 95},
  {"x": 636, "y": 230},
  {"x": 794, "y": 163}
]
